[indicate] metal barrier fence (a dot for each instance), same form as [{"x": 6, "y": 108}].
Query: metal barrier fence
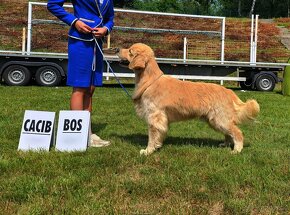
[{"x": 143, "y": 26}]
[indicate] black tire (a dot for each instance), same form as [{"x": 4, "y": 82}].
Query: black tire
[
  {"x": 246, "y": 85},
  {"x": 265, "y": 82},
  {"x": 16, "y": 75},
  {"x": 48, "y": 76}
]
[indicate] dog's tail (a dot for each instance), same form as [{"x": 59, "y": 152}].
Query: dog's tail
[{"x": 247, "y": 111}]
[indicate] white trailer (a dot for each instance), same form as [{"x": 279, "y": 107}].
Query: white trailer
[{"x": 49, "y": 68}]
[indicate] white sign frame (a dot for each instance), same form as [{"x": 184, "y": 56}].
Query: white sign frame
[
  {"x": 37, "y": 133},
  {"x": 73, "y": 131}
]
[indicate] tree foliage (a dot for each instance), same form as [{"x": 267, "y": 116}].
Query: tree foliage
[{"x": 232, "y": 8}]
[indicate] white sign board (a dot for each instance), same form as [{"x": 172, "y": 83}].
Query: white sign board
[
  {"x": 73, "y": 131},
  {"x": 37, "y": 130}
]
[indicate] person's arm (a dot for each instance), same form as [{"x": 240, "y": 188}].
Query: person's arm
[
  {"x": 109, "y": 18},
  {"x": 108, "y": 22},
  {"x": 56, "y": 8}
]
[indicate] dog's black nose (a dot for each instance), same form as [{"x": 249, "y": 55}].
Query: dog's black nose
[{"x": 117, "y": 50}]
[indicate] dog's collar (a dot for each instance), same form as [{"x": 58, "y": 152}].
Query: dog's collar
[
  {"x": 153, "y": 82},
  {"x": 142, "y": 92}
]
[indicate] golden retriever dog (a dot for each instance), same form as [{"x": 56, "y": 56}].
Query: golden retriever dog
[{"x": 161, "y": 99}]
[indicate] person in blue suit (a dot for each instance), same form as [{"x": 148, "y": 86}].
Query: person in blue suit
[{"x": 90, "y": 22}]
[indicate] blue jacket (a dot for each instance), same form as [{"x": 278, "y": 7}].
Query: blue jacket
[{"x": 91, "y": 12}]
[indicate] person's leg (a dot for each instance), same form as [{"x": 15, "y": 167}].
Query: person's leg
[
  {"x": 82, "y": 98},
  {"x": 78, "y": 98},
  {"x": 88, "y": 97},
  {"x": 88, "y": 101}
]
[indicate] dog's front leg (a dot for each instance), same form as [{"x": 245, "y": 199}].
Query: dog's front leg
[
  {"x": 155, "y": 140},
  {"x": 157, "y": 129}
]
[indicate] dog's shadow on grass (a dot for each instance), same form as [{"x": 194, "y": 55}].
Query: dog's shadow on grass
[
  {"x": 116, "y": 85},
  {"x": 141, "y": 140}
]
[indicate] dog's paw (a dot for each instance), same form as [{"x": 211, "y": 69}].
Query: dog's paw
[
  {"x": 235, "y": 152},
  {"x": 147, "y": 151},
  {"x": 143, "y": 152}
]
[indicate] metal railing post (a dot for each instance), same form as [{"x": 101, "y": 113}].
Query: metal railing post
[
  {"x": 23, "y": 40},
  {"x": 256, "y": 39},
  {"x": 223, "y": 40},
  {"x": 252, "y": 40},
  {"x": 184, "y": 49},
  {"x": 29, "y": 29}
]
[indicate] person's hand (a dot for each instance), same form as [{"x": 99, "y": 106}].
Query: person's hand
[
  {"x": 99, "y": 32},
  {"x": 82, "y": 27}
]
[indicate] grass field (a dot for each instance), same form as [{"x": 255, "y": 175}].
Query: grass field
[{"x": 189, "y": 175}]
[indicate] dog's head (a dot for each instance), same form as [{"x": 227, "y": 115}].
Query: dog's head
[{"x": 137, "y": 55}]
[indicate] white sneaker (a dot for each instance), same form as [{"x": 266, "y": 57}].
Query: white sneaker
[{"x": 96, "y": 141}]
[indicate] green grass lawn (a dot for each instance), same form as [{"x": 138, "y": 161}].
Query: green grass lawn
[{"x": 189, "y": 175}]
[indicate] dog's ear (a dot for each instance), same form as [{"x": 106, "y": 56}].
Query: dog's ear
[{"x": 138, "y": 62}]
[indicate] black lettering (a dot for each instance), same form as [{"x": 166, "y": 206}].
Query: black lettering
[
  {"x": 43, "y": 126},
  {"x": 48, "y": 126},
  {"x": 73, "y": 125},
  {"x": 25, "y": 125},
  {"x": 66, "y": 125},
  {"x": 37, "y": 126},
  {"x": 79, "y": 125},
  {"x": 32, "y": 126}
]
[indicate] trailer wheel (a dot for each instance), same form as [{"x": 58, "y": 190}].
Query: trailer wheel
[
  {"x": 48, "y": 76},
  {"x": 246, "y": 85},
  {"x": 16, "y": 75},
  {"x": 265, "y": 82}
]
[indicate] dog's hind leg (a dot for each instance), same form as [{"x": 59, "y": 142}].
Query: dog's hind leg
[
  {"x": 233, "y": 137},
  {"x": 158, "y": 127},
  {"x": 237, "y": 138},
  {"x": 233, "y": 134}
]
